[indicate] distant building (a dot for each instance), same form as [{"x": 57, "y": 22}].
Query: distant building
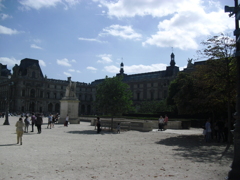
[{"x": 32, "y": 92}]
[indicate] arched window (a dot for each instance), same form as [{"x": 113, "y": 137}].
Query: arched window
[{"x": 50, "y": 107}]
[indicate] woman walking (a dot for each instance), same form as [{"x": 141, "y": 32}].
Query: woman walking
[{"x": 19, "y": 130}]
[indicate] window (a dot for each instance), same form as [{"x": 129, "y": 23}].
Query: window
[
  {"x": 41, "y": 94},
  {"x": 32, "y": 93},
  {"x": 23, "y": 93},
  {"x": 33, "y": 74}
]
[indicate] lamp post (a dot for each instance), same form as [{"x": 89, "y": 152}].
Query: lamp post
[
  {"x": 234, "y": 173},
  {"x": 6, "y": 122}
]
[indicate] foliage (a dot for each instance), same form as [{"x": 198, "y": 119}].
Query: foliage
[
  {"x": 211, "y": 87},
  {"x": 113, "y": 96},
  {"x": 154, "y": 106}
]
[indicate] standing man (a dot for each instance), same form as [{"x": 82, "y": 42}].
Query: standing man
[
  {"x": 98, "y": 125},
  {"x": 39, "y": 122},
  {"x": 33, "y": 119},
  {"x": 49, "y": 121},
  {"x": 66, "y": 122}
]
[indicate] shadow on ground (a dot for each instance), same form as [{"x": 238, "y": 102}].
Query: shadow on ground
[
  {"x": 9, "y": 144},
  {"x": 196, "y": 149},
  {"x": 91, "y": 132}
]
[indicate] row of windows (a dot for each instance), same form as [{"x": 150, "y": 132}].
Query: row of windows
[{"x": 54, "y": 95}]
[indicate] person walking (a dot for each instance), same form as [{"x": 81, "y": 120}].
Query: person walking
[
  {"x": 66, "y": 122},
  {"x": 33, "y": 119},
  {"x": 39, "y": 122},
  {"x": 49, "y": 121},
  {"x": 19, "y": 130},
  {"x": 208, "y": 130},
  {"x": 27, "y": 122},
  {"x": 118, "y": 128},
  {"x": 98, "y": 125}
]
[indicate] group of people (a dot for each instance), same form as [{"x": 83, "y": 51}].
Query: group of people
[
  {"x": 98, "y": 125},
  {"x": 217, "y": 130},
  {"x": 2, "y": 114},
  {"x": 162, "y": 123},
  {"x": 35, "y": 120},
  {"x": 52, "y": 119}
]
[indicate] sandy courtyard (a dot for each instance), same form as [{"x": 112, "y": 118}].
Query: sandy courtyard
[{"x": 77, "y": 152}]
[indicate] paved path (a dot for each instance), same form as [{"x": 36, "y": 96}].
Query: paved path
[{"x": 77, "y": 152}]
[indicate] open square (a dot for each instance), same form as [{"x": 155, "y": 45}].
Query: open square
[{"x": 78, "y": 152}]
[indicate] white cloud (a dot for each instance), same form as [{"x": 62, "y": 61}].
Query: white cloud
[
  {"x": 91, "y": 40},
  {"x": 64, "y": 62},
  {"x": 4, "y": 16},
  {"x": 1, "y": 5},
  {"x": 125, "y": 32},
  {"x": 91, "y": 68},
  {"x": 185, "y": 20},
  {"x": 105, "y": 58},
  {"x": 183, "y": 28},
  {"x": 37, "y": 40},
  {"x": 71, "y": 70},
  {"x": 34, "y": 46},
  {"x": 9, "y": 61},
  {"x": 131, "y": 8},
  {"x": 73, "y": 60},
  {"x": 67, "y": 74},
  {"x": 42, "y": 63},
  {"x": 38, "y": 4},
  {"x": 8, "y": 31},
  {"x": 134, "y": 69}
]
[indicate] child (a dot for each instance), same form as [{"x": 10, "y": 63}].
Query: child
[{"x": 118, "y": 128}]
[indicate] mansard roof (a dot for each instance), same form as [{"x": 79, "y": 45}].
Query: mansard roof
[{"x": 26, "y": 63}]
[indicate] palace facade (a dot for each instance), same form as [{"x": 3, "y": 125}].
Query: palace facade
[{"x": 29, "y": 91}]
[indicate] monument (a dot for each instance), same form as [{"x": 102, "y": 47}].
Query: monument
[{"x": 69, "y": 104}]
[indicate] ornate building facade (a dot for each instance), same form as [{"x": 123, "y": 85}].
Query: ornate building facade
[{"x": 29, "y": 91}]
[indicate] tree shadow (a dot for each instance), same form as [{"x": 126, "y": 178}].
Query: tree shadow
[
  {"x": 92, "y": 132},
  {"x": 194, "y": 148}
]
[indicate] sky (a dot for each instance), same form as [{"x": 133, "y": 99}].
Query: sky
[{"x": 88, "y": 39}]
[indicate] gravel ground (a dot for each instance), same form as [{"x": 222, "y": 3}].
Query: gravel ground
[{"x": 77, "y": 152}]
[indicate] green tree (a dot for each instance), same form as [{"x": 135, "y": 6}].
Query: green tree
[
  {"x": 211, "y": 87},
  {"x": 181, "y": 93},
  {"x": 221, "y": 72},
  {"x": 113, "y": 97},
  {"x": 154, "y": 106}
]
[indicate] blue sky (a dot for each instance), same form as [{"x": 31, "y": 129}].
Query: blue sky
[{"x": 88, "y": 39}]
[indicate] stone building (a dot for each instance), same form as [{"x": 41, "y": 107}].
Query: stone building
[{"x": 29, "y": 91}]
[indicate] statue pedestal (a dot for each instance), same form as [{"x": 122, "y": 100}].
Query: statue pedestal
[{"x": 69, "y": 106}]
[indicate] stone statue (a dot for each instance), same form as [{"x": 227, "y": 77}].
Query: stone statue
[
  {"x": 71, "y": 89},
  {"x": 190, "y": 64}
]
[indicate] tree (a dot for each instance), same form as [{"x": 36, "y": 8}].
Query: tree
[
  {"x": 181, "y": 93},
  {"x": 113, "y": 97},
  {"x": 222, "y": 70},
  {"x": 154, "y": 106}
]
